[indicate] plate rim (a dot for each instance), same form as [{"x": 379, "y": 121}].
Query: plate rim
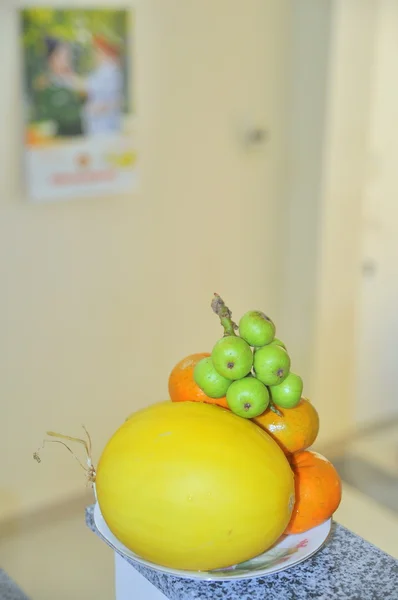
[{"x": 204, "y": 575}]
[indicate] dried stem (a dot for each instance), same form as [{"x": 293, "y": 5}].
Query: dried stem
[
  {"x": 225, "y": 315},
  {"x": 71, "y": 439},
  {"x": 89, "y": 469}
]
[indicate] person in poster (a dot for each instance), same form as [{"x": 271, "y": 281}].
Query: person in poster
[
  {"x": 102, "y": 88},
  {"x": 103, "y": 110},
  {"x": 56, "y": 100}
]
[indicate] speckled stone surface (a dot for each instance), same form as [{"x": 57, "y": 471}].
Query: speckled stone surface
[
  {"x": 346, "y": 568},
  {"x": 8, "y": 589}
]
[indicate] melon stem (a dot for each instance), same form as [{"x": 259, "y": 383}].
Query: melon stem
[
  {"x": 89, "y": 468},
  {"x": 225, "y": 315}
]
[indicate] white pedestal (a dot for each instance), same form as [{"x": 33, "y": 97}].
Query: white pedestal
[{"x": 131, "y": 585}]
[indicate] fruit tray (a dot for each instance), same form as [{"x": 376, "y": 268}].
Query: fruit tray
[
  {"x": 223, "y": 468},
  {"x": 287, "y": 552}
]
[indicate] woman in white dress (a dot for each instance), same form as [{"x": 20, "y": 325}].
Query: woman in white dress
[
  {"x": 103, "y": 90},
  {"x": 102, "y": 112}
]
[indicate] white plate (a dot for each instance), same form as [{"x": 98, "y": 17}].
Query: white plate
[{"x": 289, "y": 551}]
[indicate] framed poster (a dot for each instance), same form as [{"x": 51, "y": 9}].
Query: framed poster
[{"x": 78, "y": 102}]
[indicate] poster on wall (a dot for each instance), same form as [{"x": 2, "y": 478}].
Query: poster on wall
[{"x": 79, "y": 136}]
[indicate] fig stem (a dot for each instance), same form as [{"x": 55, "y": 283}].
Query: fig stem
[
  {"x": 275, "y": 409},
  {"x": 225, "y": 315}
]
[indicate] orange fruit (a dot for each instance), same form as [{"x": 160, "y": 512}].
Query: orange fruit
[
  {"x": 318, "y": 491},
  {"x": 295, "y": 430},
  {"x": 182, "y": 387}
]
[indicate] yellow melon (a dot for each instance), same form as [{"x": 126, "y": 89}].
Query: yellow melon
[{"x": 192, "y": 486}]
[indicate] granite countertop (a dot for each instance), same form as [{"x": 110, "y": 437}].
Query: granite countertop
[
  {"x": 346, "y": 568},
  {"x": 8, "y": 589}
]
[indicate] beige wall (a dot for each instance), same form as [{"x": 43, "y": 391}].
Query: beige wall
[
  {"x": 101, "y": 297},
  {"x": 378, "y": 293},
  {"x": 311, "y": 34},
  {"x": 334, "y": 356},
  {"x": 333, "y": 54}
]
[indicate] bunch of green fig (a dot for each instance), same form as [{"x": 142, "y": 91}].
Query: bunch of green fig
[{"x": 251, "y": 369}]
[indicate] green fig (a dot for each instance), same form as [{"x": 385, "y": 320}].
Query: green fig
[
  {"x": 278, "y": 342},
  {"x": 256, "y": 328},
  {"x": 288, "y": 393},
  {"x": 271, "y": 364},
  {"x": 232, "y": 357},
  {"x": 209, "y": 380},
  {"x": 248, "y": 397}
]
